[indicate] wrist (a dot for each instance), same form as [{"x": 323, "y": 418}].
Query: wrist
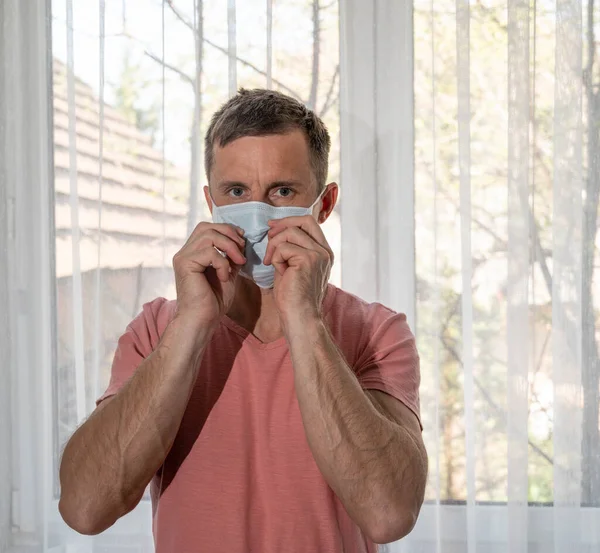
[
  {"x": 306, "y": 324},
  {"x": 186, "y": 338},
  {"x": 192, "y": 321}
]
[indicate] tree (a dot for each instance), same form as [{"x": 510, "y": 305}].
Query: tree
[
  {"x": 128, "y": 98},
  {"x": 195, "y": 81}
]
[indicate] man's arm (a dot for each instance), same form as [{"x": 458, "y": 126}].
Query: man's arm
[
  {"x": 112, "y": 457},
  {"x": 368, "y": 445}
]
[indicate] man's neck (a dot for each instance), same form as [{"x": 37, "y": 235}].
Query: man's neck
[{"x": 254, "y": 309}]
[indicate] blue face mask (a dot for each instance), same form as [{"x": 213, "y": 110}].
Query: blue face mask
[{"x": 253, "y": 217}]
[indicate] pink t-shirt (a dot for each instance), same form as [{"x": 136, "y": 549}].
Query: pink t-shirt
[{"x": 241, "y": 476}]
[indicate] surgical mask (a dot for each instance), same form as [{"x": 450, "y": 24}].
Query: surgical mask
[{"x": 253, "y": 218}]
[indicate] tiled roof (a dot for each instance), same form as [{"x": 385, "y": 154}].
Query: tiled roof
[{"x": 132, "y": 184}]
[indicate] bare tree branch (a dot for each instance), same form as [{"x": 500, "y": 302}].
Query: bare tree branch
[
  {"x": 281, "y": 85},
  {"x": 588, "y": 71},
  {"x": 179, "y": 15},
  {"x": 476, "y": 220},
  {"x": 452, "y": 350},
  {"x": 195, "y": 134},
  {"x": 190, "y": 80},
  {"x": 330, "y": 5},
  {"x": 184, "y": 76},
  {"x": 329, "y": 98},
  {"x": 499, "y": 412},
  {"x": 314, "y": 85},
  {"x": 257, "y": 69}
]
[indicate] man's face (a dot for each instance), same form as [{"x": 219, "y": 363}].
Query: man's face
[{"x": 274, "y": 169}]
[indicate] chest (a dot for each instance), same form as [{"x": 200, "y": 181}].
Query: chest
[{"x": 243, "y": 420}]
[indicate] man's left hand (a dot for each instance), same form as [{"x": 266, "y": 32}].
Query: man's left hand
[{"x": 302, "y": 259}]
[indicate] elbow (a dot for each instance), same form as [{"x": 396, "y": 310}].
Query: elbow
[
  {"x": 393, "y": 518},
  {"x": 86, "y": 512},
  {"x": 80, "y": 519},
  {"x": 398, "y": 513},
  {"x": 388, "y": 527},
  {"x": 92, "y": 516},
  {"x": 78, "y": 506}
]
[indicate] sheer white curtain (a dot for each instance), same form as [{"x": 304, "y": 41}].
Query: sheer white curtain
[
  {"x": 466, "y": 143},
  {"x": 111, "y": 100},
  {"x": 506, "y": 180},
  {"x": 484, "y": 233}
]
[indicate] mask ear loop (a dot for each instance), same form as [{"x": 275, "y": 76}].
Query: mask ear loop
[{"x": 319, "y": 198}]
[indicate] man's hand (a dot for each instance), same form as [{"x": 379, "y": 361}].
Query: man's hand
[
  {"x": 302, "y": 258},
  {"x": 205, "y": 278}
]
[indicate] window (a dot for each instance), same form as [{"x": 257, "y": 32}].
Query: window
[{"x": 465, "y": 140}]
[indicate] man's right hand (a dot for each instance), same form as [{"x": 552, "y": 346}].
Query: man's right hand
[{"x": 204, "y": 278}]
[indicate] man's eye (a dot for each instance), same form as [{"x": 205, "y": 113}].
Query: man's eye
[
  {"x": 237, "y": 192},
  {"x": 284, "y": 191}
]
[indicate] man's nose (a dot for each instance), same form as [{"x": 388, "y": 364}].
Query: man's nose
[{"x": 260, "y": 194}]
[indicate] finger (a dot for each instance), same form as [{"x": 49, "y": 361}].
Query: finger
[
  {"x": 305, "y": 222},
  {"x": 212, "y": 237},
  {"x": 220, "y": 264},
  {"x": 201, "y": 260},
  {"x": 235, "y": 233},
  {"x": 294, "y": 235},
  {"x": 234, "y": 250},
  {"x": 288, "y": 255}
]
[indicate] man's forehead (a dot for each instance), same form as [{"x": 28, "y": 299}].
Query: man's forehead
[
  {"x": 273, "y": 157},
  {"x": 293, "y": 142}
]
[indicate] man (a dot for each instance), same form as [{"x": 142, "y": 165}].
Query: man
[{"x": 269, "y": 410}]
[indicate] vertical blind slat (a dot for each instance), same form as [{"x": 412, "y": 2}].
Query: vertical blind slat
[
  {"x": 232, "y": 46},
  {"x": 566, "y": 277},
  {"x": 77, "y": 299},
  {"x": 464, "y": 154},
  {"x": 436, "y": 325},
  {"x": 358, "y": 150},
  {"x": 164, "y": 145},
  {"x": 394, "y": 190},
  {"x": 98, "y": 279},
  {"x": 269, "y": 44},
  {"x": 518, "y": 259}
]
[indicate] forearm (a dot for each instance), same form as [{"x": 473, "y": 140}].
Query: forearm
[
  {"x": 112, "y": 457},
  {"x": 370, "y": 462}
]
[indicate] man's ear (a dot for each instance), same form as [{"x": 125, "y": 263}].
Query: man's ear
[
  {"x": 328, "y": 201},
  {"x": 208, "y": 198}
]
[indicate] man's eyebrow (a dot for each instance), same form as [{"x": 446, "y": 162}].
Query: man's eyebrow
[
  {"x": 276, "y": 184},
  {"x": 231, "y": 184},
  {"x": 280, "y": 183}
]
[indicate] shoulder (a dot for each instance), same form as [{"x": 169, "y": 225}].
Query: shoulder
[
  {"x": 356, "y": 324},
  {"x": 345, "y": 309},
  {"x": 152, "y": 321}
]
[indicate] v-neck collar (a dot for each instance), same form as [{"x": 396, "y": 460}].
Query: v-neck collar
[{"x": 253, "y": 341}]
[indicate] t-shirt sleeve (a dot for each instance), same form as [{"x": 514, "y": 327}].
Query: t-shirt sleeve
[
  {"x": 390, "y": 361},
  {"x": 139, "y": 340}
]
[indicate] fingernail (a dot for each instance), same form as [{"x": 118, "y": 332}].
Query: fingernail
[{"x": 240, "y": 230}]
